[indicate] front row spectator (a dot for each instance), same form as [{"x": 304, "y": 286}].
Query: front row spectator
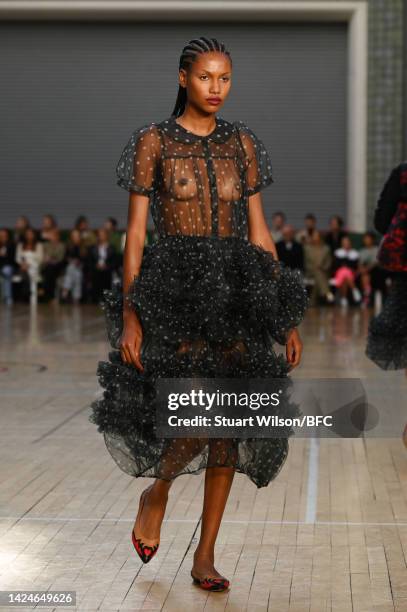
[
  {"x": 101, "y": 261},
  {"x": 7, "y": 263},
  {"x": 346, "y": 263},
  {"x": 53, "y": 263},
  {"x": 87, "y": 235},
  {"x": 49, "y": 224},
  {"x": 29, "y": 256},
  {"x": 22, "y": 223},
  {"x": 278, "y": 220},
  {"x": 289, "y": 251},
  {"x": 306, "y": 234},
  {"x": 73, "y": 279},
  {"x": 334, "y": 235},
  {"x": 368, "y": 267},
  {"x": 318, "y": 263}
]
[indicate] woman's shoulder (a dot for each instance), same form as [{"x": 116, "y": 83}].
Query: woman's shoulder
[
  {"x": 243, "y": 128},
  {"x": 146, "y": 136},
  {"x": 252, "y": 143},
  {"x": 149, "y": 129}
]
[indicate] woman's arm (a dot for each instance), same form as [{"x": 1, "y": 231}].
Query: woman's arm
[
  {"x": 260, "y": 234},
  {"x": 133, "y": 253},
  {"x": 19, "y": 254},
  {"x": 39, "y": 251}
]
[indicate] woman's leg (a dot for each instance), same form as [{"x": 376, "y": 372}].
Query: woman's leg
[
  {"x": 343, "y": 288},
  {"x": 321, "y": 283},
  {"x": 77, "y": 285},
  {"x": 365, "y": 282},
  {"x": 178, "y": 453},
  {"x": 154, "y": 509},
  {"x": 7, "y": 276},
  {"x": 218, "y": 482}
]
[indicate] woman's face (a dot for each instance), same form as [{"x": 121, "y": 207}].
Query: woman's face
[
  {"x": 346, "y": 243},
  {"x": 21, "y": 223},
  {"x": 208, "y": 77},
  {"x": 29, "y": 235},
  {"x": 75, "y": 236},
  {"x": 333, "y": 223},
  {"x": 368, "y": 240},
  {"x": 47, "y": 222},
  {"x": 102, "y": 235}
]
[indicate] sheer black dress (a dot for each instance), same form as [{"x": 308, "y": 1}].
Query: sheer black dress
[{"x": 211, "y": 303}]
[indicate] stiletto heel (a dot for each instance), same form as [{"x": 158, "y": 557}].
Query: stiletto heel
[
  {"x": 211, "y": 584},
  {"x": 144, "y": 551}
]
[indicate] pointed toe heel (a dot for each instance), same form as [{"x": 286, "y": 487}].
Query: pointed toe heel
[{"x": 145, "y": 551}]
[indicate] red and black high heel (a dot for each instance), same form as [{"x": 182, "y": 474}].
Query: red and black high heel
[
  {"x": 211, "y": 584},
  {"x": 145, "y": 551}
]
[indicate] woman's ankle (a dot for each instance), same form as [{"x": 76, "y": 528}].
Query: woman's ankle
[
  {"x": 202, "y": 554},
  {"x": 158, "y": 494}
]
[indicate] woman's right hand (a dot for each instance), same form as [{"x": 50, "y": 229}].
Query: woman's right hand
[{"x": 131, "y": 341}]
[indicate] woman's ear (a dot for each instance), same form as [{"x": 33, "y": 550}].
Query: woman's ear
[{"x": 183, "y": 77}]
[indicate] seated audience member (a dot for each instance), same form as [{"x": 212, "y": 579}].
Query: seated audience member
[
  {"x": 278, "y": 220},
  {"x": 115, "y": 239},
  {"x": 346, "y": 264},
  {"x": 22, "y": 223},
  {"x": 29, "y": 257},
  {"x": 88, "y": 239},
  {"x": 306, "y": 235},
  {"x": 75, "y": 256},
  {"x": 371, "y": 275},
  {"x": 318, "y": 265},
  {"x": 110, "y": 225},
  {"x": 53, "y": 263},
  {"x": 7, "y": 265},
  {"x": 335, "y": 233},
  {"x": 289, "y": 251},
  {"x": 101, "y": 264},
  {"x": 49, "y": 223},
  {"x": 88, "y": 236}
]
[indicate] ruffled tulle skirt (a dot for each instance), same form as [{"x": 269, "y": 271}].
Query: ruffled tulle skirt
[
  {"x": 212, "y": 308},
  {"x": 387, "y": 333}
]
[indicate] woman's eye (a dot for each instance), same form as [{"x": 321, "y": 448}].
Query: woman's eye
[{"x": 203, "y": 76}]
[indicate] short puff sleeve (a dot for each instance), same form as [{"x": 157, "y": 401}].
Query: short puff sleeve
[
  {"x": 136, "y": 169},
  {"x": 259, "y": 171}
]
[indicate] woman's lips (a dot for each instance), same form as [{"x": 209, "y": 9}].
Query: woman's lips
[{"x": 214, "y": 100}]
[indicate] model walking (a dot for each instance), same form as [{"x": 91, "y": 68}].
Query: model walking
[
  {"x": 208, "y": 298},
  {"x": 387, "y": 334}
]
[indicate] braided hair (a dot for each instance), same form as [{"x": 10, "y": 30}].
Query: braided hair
[{"x": 189, "y": 54}]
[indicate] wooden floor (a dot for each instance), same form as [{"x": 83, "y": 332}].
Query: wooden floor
[{"x": 328, "y": 535}]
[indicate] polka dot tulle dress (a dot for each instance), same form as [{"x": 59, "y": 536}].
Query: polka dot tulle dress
[{"x": 210, "y": 302}]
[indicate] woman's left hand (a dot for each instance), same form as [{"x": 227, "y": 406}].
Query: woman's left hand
[{"x": 293, "y": 348}]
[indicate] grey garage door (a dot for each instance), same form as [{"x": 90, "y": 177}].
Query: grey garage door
[{"x": 72, "y": 92}]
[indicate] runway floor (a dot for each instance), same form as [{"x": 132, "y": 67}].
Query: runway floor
[{"x": 329, "y": 534}]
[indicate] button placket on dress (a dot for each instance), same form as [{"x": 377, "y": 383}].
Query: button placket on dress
[{"x": 212, "y": 185}]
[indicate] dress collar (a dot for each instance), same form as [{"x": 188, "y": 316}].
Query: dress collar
[{"x": 222, "y": 132}]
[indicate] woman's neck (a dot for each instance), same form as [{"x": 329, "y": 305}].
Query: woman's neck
[{"x": 197, "y": 123}]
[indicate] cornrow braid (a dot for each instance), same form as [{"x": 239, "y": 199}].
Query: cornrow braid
[{"x": 189, "y": 54}]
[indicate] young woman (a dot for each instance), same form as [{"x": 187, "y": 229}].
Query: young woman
[
  {"x": 208, "y": 298},
  {"x": 346, "y": 260},
  {"x": 368, "y": 267},
  {"x": 29, "y": 257}
]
